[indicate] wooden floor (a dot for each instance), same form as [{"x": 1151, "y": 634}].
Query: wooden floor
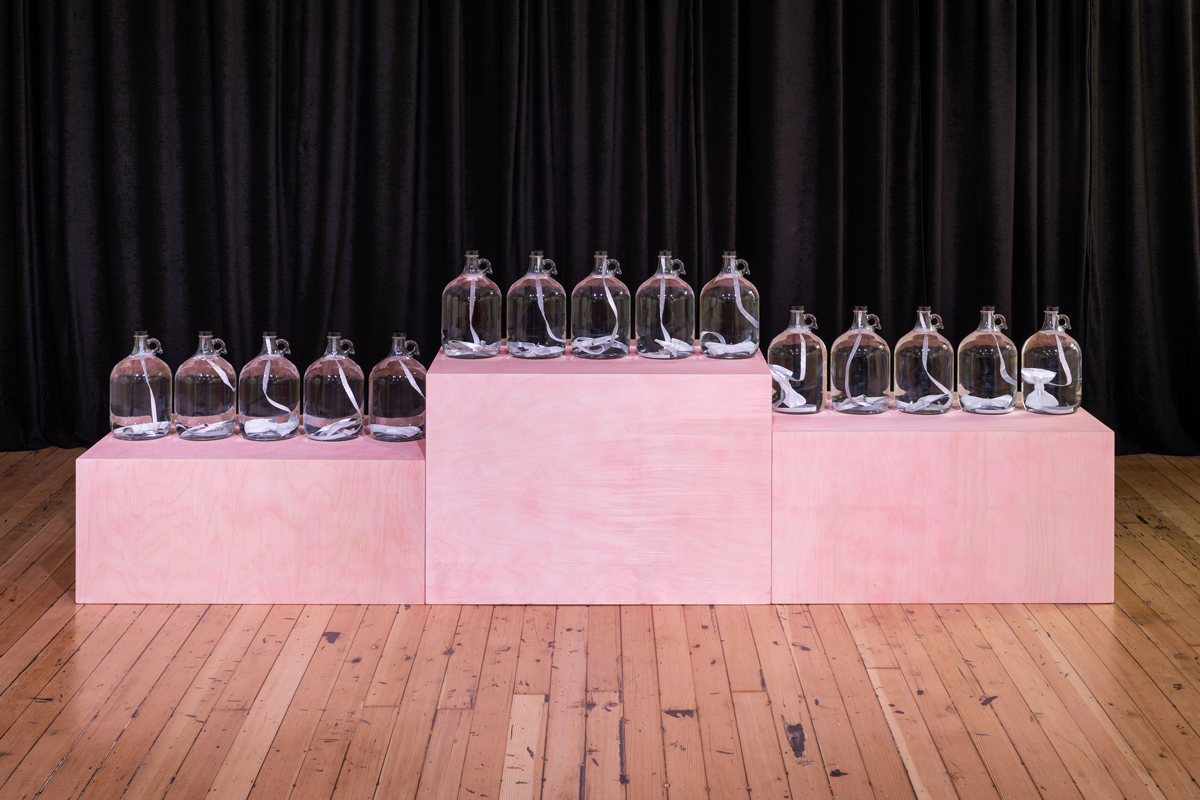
[{"x": 475, "y": 702}]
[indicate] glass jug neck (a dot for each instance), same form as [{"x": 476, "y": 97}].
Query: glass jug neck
[
  {"x": 664, "y": 263},
  {"x": 924, "y": 319},
  {"x": 602, "y": 265},
  {"x": 333, "y": 344},
  {"x": 729, "y": 262},
  {"x": 399, "y": 343},
  {"x": 539, "y": 264},
  {"x": 987, "y": 319},
  {"x": 141, "y": 344},
  {"x": 270, "y": 345},
  {"x": 860, "y": 318},
  {"x": 208, "y": 346},
  {"x": 797, "y": 322},
  {"x": 1050, "y": 319},
  {"x": 474, "y": 265}
]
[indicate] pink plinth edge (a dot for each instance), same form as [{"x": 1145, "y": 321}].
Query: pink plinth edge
[
  {"x": 959, "y": 508},
  {"x": 235, "y": 521}
]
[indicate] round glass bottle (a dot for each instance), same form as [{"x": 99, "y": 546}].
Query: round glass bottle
[
  {"x": 537, "y": 312},
  {"x": 269, "y": 393},
  {"x": 600, "y": 312},
  {"x": 729, "y": 312},
  {"x": 924, "y": 367},
  {"x": 139, "y": 392},
  {"x": 796, "y": 358},
  {"x": 860, "y": 367},
  {"x": 205, "y": 394},
  {"x": 397, "y": 399},
  {"x": 333, "y": 393},
  {"x": 471, "y": 312},
  {"x": 1052, "y": 367},
  {"x": 665, "y": 312},
  {"x": 987, "y": 367}
]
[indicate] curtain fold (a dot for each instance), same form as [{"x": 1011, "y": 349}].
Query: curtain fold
[{"x": 302, "y": 166}]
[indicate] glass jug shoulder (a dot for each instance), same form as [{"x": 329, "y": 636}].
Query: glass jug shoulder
[
  {"x": 537, "y": 312},
  {"x": 1052, "y": 367},
  {"x": 333, "y": 393},
  {"x": 987, "y": 367},
  {"x": 860, "y": 367},
  {"x": 797, "y": 361},
  {"x": 397, "y": 394},
  {"x": 269, "y": 393},
  {"x": 729, "y": 311},
  {"x": 600, "y": 312},
  {"x": 665, "y": 312},
  {"x": 471, "y": 311},
  {"x": 206, "y": 393},
  {"x": 923, "y": 360},
  {"x": 139, "y": 392}
]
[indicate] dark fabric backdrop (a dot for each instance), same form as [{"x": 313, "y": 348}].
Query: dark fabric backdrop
[{"x": 300, "y": 166}]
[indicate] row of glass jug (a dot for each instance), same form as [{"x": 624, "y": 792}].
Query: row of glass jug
[
  {"x": 265, "y": 399},
  {"x": 859, "y": 372},
  {"x": 664, "y": 312}
]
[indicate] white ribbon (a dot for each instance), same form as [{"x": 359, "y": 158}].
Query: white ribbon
[
  {"x": 929, "y": 399},
  {"x": 335, "y": 427},
  {"x": 537, "y": 283},
  {"x": 137, "y": 428},
  {"x": 209, "y": 428},
  {"x": 153, "y": 400},
  {"x": 861, "y": 401},
  {"x": 595, "y": 346},
  {"x": 981, "y": 403},
  {"x": 720, "y": 348},
  {"x": 264, "y": 425},
  {"x": 457, "y": 347},
  {"x": 788, "y": 396},
  {"x": 405, "y": 431},
  {"x": 221, "y": 373},
  {"x": 1040, "y": 399},
  {"x": 534, "y": 350},
  {"x": 737, "y": 297},
  {"x": 471, "y": 313},
  {"x": 412, "y": 382},
  {"x": 266, "y": 375},
  {"x": 1003, "y": 369}
]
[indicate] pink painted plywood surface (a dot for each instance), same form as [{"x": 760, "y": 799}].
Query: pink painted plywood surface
[
  {"x": 936, "y": 509},
  {"x": 571, "y": 484},
  {"x": 170, "y": 521}
]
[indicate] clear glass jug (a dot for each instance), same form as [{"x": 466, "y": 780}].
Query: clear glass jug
[
  {"x": 537, "y": 312},
  {"x": 924, "y": 361},
  {"x": 665, "y": 312},
  {"x": 987, "y": 367},
  {"x": 269, "y": 393},
  {"x": 397, "y": 399},
  {"x": 860, "y": 367},
  {"x": 729, "y": 312},
  {"x": 139, "y": 392},
  {"x": 796, "y": 358},
  {"x": 471, "y": 312},
  {"x": 1052, "y": 367},
  {"x": 333, "y": 393},
  {"x": 600, "y": 312},
  {"x": 205, "y": 394}
]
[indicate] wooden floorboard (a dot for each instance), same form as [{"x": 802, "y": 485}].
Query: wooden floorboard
[{"x": 945, "y": 701}]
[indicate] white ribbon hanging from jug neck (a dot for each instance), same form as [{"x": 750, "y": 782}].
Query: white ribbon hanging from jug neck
[
  {"x": 458, "y": 346},
  {"x": 266, "y": 424},
  {"x": 326, "y": 431},
  {"x": 861, "y": 401},
  {"x": 670, "y": 346},
  {"x": 598, "y": 344},
  {"x": 721, "y": 348},
  {"x": 929, "y": 399},
  {"x": 139, "y": 428}
]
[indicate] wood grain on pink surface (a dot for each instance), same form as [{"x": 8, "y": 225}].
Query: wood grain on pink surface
[
  {"x": 234, "y": 521},
  {"x": 898, "y": 508},
  {"x": 569, "y": 481}
]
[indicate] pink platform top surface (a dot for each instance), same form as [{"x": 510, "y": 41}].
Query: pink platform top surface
[
  {"x": 569, "y": 364},
  {"x": 953, "y": 421},
  {"x": 298, "y": 448}
]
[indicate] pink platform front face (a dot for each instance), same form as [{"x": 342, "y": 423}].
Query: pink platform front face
[
  {"x": 579, "y": 481},
  {"x": 235, "y": 521},
  {"x": 957, "y": 508}
]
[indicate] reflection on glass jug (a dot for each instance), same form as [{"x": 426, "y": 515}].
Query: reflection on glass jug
[
  {"x": 397, "y": 399},
  {"x": 139, "y": 392},
  {"x": 471, "y": 312},
  {"x": 269, "y": 393},
  {"x": 796, "y": 359},
  {"x": 205, "y": 395}
]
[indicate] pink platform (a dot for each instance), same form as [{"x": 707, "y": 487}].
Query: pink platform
[
  {"x": 234, "y": 521},
  {"x": 958, "y": 508},
  {"x": 571, "y": 480}
]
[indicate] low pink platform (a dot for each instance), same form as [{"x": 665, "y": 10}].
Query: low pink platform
[
  {"x": 234, "y": 521},
  {"x": 571, "y": 480},
  {"x": 960, "y": 508}
]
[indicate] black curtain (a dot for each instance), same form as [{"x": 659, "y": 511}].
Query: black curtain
[{"x": 305, "y": 166}]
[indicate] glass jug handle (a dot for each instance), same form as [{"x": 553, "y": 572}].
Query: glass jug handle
[
  {"x": 743, "y": 268},
  {"x": 1001, "y": 322},
  {"x": 155, "y": 345},
  {"x": 487, "y": 267},
  {"x": 220, "y": 345},
  {"x": 553, "y": 268},
  {"x": 616, "y": 266},
  {"x": 283, "y": 346},
  {"x": 874, "y": 324},
  {"x": 810, "y": 321},
  {"x": 346, "y": 347},
  {"x": 1064, "y": 322},
  {"x": 411, "y": 348},
  {"x": 675, "y": 261},
  {"x": 937, "y": 321}
]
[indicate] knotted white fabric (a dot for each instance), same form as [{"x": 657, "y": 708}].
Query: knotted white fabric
[
  {"x": 721, "y": 348},
  {"x": 1040, "y": 399},
  {"x": 788, "y": 396}
]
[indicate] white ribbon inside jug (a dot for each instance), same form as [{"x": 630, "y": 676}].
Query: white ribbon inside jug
[
  {"x": 150, "y": 389},
  {"x": 596, "y": 345},
  {"x": 929, "y": 399},
  {"x": 476, "y": 345},
  {"x": 721, "y": 348},
  {"x": 326, "y": 431},
  {"x": 670, "y": 346},
  {"x": 411, "y": 381},
  {"x": 1040, "y": 399},
  {"x": 859, "y": 401},
  {"x": 788, "y": 396},
  {"x": 1003, "y": 401},
  {"x": 261, "y": 425},
  {"x": 399, "y": 431}
]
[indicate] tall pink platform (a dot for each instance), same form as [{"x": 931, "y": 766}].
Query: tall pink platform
[
  {"x": 571, "y": 480},
  {"x": 958, "y": 508},
  {"x": 234, "y": 521}
]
